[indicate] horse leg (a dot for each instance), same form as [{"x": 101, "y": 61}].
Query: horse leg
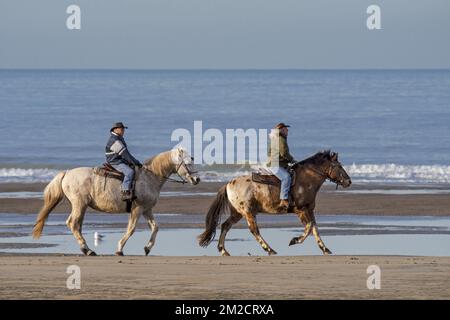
[
  {"x": 306, "y": 233},
  {"x": 322, "y": 246},
  {"x": 251, "y": 221},
  {"x": 154, "y": 227},
  {"x": 226, "y": 226},
  {"x": 134, "y": 215},
  {"x": 75, "y": 222},
  {"x": 307, "y": 221}
]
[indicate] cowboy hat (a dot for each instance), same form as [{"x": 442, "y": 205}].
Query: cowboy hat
[
  {"x": 281, "y": 125},
  {"x": 117, "y": 125}
]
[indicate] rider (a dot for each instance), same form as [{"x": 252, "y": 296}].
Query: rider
[
  {"x": 279, "y": 160},
  {"x": 118, "y": 156}
]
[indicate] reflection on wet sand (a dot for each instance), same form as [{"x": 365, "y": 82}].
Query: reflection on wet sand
[{"x": 344, "y": 234}]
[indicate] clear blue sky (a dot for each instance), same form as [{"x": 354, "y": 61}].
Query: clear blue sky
[{"x": 266, "y": 34}]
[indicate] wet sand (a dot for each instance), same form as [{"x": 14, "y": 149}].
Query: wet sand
[
  {"x": 37, "y": 276},
  {"x": 155, "y": 277},
  {"x": 328, "y": 201}
]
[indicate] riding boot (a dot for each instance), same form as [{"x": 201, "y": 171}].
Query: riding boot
[
  {"x": 126, "y": 195},
  {"x": 283, "y": 206}
]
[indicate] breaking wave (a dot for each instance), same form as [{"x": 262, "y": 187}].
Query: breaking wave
[
  {"x": 394, "y": 173},
  {"x": 26, "y": 175},
  {"x": 370, "y": 173},
  {"x": 360, "y": 173}
]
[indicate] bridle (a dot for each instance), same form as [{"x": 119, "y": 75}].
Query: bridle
[
  {"x": 184, "y": 165},
  {"x": 327, "y": 175},
  {"x": 168, "y": 178}
]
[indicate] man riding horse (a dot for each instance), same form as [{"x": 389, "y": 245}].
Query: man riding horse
[
  {"x": 279, "y": 160},
  {"x": 118, "y": 156}
]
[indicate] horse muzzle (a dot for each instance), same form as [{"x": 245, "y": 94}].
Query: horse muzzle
[
  {"x": 346, "y": 183},
  {"x": 194, "y": 180}
]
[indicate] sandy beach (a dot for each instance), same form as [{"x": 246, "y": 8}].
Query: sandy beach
[
  {"x": 328, "y": 201},
  {"x": 156, "y": 277},
  {"x": 43, "y": 276}
]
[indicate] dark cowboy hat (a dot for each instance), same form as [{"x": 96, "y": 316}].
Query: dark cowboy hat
[
  {"x": 281, "y": 125},
  {"x": 117, "y": 125}
]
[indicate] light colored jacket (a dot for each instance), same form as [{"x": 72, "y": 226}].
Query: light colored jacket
[{"x": 282, "y": 152}]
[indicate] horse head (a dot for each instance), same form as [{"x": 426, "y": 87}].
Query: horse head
[
  {"x": 184, "y": 165},
  {"x": 335, "y": 172}
]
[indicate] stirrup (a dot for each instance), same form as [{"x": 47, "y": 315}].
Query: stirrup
[
  {"x": 283, "y": 209},
  {"x": 126, "y": 195}
]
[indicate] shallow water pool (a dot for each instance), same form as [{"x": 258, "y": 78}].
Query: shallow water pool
[{"x": 343, "y": 234}]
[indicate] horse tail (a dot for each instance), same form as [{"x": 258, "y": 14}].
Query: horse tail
[
  {"x": 219, "y": 206},
  {"x": 53, "y": 194}
]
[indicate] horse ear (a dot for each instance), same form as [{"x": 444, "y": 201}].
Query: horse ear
[
  {"x": 334, "y": 156},
  {"x": 180, "y": 152},
  {"x": 176, "y": 154}
]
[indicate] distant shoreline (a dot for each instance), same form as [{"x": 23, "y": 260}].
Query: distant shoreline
[
  {"x": 328, "y": 201},
  {"x": 224, "y": 69}
]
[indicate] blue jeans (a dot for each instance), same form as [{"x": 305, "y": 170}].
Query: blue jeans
[
  {"x": 285, "y": 177},
  {"x": 128, "y": 175}
]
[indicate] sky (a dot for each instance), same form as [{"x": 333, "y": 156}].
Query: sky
[{"x": 225, "y": 34}]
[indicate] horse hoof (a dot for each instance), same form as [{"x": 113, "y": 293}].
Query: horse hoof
[
  {"x": 146, "y": 250},
  {"x": 326, "y": 251},
  {"x": 293, "y": 241},
  {"x": 119, "y": 253},
  {"x": 272, "y": 253},
  {"x": 88, "y": 252},
  {"x": 225, "y": 253}
]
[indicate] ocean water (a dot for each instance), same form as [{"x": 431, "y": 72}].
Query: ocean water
[{"x": 388, "y": 126}]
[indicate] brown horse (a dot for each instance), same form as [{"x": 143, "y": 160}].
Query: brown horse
[{"x": 242, "y": 197}]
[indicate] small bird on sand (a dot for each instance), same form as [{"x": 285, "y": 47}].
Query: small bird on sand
[{"x": 98, "y": 236}]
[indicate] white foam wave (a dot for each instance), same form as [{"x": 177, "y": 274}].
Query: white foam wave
[
  {"x": 26, "y": 175},
  {"x": 393, "y": 173},
  {"x": 361, "y": 173},
  {"x": 214, "y": 176},
  {"x": 371, "y": 173}
]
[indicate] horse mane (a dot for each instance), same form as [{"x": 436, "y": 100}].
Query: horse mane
[
  {"x": 160, "y": 163},
  {"x": 318, "y": 158}
]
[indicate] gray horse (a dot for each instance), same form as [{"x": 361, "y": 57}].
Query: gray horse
[{"x": 85, "y": 189}]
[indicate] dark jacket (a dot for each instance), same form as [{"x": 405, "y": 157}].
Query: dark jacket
[
  {"x": 284, "y": 157},
  {"x": 116, "y": 151}
]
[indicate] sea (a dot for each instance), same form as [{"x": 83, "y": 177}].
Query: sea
[{"x": 388, "y": 126}]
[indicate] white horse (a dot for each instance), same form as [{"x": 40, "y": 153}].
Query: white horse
[{"x": 86, "y": 189}]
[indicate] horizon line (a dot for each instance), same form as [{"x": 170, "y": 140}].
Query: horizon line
[{"x": 225, "y": 69}]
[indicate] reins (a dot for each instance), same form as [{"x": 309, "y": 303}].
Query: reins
[
  {"x": 168, "y": 178},
  {"x": 322, "y": 174}
]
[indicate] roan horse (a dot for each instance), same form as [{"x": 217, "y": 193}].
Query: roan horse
[
  {"x": 242, "y": 197},
  {"x": 85, "y": 189}
]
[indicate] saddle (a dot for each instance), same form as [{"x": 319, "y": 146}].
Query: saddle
[
  {"x": 108, "y": 171},
  {"x": 264, "y": 176}
]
